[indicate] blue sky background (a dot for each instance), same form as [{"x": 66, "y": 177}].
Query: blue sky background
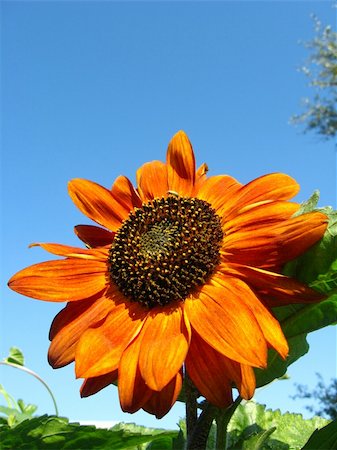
[{"x": 94, "y": 90}]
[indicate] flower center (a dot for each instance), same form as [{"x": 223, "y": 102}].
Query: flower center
[{"x": 165, "y": 249}]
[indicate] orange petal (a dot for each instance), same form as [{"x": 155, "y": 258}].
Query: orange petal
[
  {"x": 61, "y": 281},
  {"x": 227, "y": 325},
  {"x": 125, "y": 194},
  {"x": 99, "y": 349},
  {"x": 181, "y": 165},
  {"x": 274, "y": 245},
  {"x": 248, "y": 382},
  {"x": 161, "y": 402},
  {"x": 208, "y": 370},
  {"x": 69, "y": 325},
  {"x": 272, "y": 187},
  {"x": 97, "y": 203},
  {"x": 260, "y": 215},
  {"x": 74, "y": 252},
  {"x": 133, "y": 392},
  {"x": 274, "y": 285},
  {"x": 94, "y": 236},
  {"x": 93, "y": 385},
  {"x": 218, "y": 190},
  {"x": 152, "y": 180},
  {"x": 165, "y": 341},
  {"x": 269, "y": 325}
]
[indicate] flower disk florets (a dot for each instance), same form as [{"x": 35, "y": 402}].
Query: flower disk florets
[{"x": 165, "y": 249}]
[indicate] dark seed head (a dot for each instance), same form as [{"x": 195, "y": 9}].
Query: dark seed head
[{"x": 165, "y": 249}]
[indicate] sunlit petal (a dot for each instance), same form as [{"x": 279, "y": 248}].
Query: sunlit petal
[
  {"x": 152, "y": 180},
  {"x": 61, "y": 281},
  {"x": 181, "y": 165}
]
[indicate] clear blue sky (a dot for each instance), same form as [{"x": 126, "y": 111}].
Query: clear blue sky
[{"x": 93, "y": 90}]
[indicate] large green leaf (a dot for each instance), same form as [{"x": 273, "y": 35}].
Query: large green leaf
[
  {"x": 325, "y": 438},
  {"x": 255, "y": 427},
  {"x": 52, "y": 432},
  {"x": 277, "y": 367}
]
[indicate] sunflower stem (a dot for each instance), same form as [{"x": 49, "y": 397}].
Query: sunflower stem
[
  {"x": 197, "y": 440},
  {"x": 222, "y": 419},
  {"x": 191, "y": 405}
]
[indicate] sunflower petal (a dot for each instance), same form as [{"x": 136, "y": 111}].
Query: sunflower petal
[
  {"x": 276, "y": 244},
  {"x": 108, "y": 340},
  {"x": 271, "y": 187},
  {"x": 208, "y": 370},
  {"x": 61, "y": 281},
  {"x": 152, "y": 180},
  {"x": 69, "y": 325},
  {"x": 269, "y": 325},
  {"x": 74, "y": 252},
  {"x": 274, "y": 285},
  {"x": 125, "y": 194},
  {"x": 161, "y": 402},
  {"x": 248, "y": 382},
  {"x": 227, "y": 325},
  {"x": 93, "y": 385},
  {"x": 132, "y": 390},
  {"x": 94, "y": 236},
  {"x": 181, "y": 165},
  {"x": 165, "y": 341},
  {"x": 218, "y": 190},
  {"x": 97, "y": 203},
  {"x": 261, "y": 215}
]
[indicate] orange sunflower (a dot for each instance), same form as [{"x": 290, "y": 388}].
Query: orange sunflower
[{"x": 181, "y": 279}]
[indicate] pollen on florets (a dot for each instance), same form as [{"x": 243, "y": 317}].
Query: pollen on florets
[{"x": 165, "y": 249}]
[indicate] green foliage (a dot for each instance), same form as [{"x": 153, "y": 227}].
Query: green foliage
[
  {"x": 325, "y": 438},
  {"x": 52, "y": 432},
  {"x": 15, "y": 357},
  {"x": 320, "y": 113},
  {"x": 317, "y": 268},
  {"x": 15, "y": 411},
  {"x": 16, "y": 360},
  {"x": 254, "y": 427}
]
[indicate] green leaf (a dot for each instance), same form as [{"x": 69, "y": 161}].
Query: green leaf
[
  {"x": 257, "y": 441},
  {"x": 179, "y": 442},
  {"x": 52, "y": 432},
  {"x": 11, "y": 403},
  {"x": 327, "y": 282},
  {"x": 271, "y": 429},
  {"x": 164, "y": 443},
  {"x": 311, "y": 317},
  {"x": 324, "y": 438},
  {"x": 27, "y": 409},
  {"x": 15, "y": 357},
  {"x": 276, "y": 366}
]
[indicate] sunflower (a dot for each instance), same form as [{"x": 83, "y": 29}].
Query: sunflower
[{"x": 180, "y": 280}]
